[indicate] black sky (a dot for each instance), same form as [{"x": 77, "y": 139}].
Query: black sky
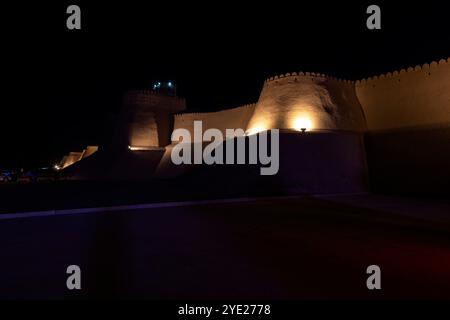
[{"x": 62, "y": 89}]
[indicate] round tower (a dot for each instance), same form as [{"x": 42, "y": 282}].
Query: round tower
[
  {"x": 147, "y": 120},
  {"x": 307, "y": 102}
]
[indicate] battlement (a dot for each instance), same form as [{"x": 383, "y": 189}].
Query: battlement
[
  {"x": 330, "y": 103},
  {"x": 308, "y": 100},
  {"x": 294, "y": 76},
  {"x": 152, "y": 99},
  {"x": 425, "y": 68},
  {"x": 411, "y": 97},
  {"x": 321, "y": 101},
  {"x": 148, "y": 92}
]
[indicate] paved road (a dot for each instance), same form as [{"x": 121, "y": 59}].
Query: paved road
[{"x": 269, "y": 248}]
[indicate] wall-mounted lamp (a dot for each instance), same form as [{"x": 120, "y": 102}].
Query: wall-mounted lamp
[{"x": 302, "y": 124}]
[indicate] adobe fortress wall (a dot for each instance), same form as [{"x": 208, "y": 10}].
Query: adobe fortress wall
[
  {"x": 147, "y": 118},
  {"x": 408, "y": 117},
  {"x": 316, "y": 101},
  {"x": 222, "y": 120},
  {"x": 414, "y": 97}
]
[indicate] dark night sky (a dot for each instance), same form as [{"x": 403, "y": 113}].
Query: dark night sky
[{"x": 61, "y": 89}]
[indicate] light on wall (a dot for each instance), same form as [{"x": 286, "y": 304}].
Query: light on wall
[
  {"x": 302, "y": 124},
  {"x": 139, "y": 148},
  {"x": 256, "y": 129}
]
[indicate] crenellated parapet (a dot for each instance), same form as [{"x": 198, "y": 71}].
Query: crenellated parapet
[
  {"x": 412, "y": 97},
  {"x": 425, "y": 69},
  {"x": 408, "y": 97},
  {"x": 292, "y": 77},
  {"x": 152, "y": 99},
  {"x": 147, "y": 118},
  {"x": 309, "y": 100}
]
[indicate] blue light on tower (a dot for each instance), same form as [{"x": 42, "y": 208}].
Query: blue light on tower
[{"x": 165, "y": 88}]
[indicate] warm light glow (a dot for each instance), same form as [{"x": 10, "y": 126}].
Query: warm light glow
[
  {"x": 302, "y": 124},
  {"x": 255, "y": 129},
  {"x": 57, "y": 167},
  {"x": 140, "y": 148}
]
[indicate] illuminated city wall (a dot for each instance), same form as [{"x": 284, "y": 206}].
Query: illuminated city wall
[
  {"x": 70, "y": 159},
  {"x": 408, "y": 115},
  {"x": 397, "y": 124},
  {"x": 147, "y": 118},
  {"x": 222, "y": 120},
  {"x": 90, "y": 150},
  {"x": 310, "y": 101},
  {"x": 392, "y": 126},
  {"x": 143, "y": 130},
  {"x": 414, "y": 97},
  {"x": 74, "y": 157}
]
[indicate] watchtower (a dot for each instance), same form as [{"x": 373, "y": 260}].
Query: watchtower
[{"x": 148, "y": 116}]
